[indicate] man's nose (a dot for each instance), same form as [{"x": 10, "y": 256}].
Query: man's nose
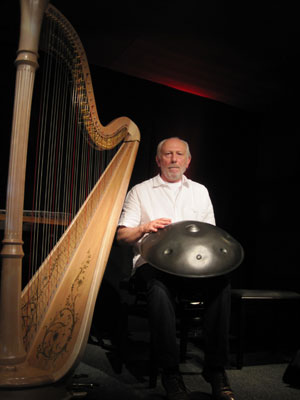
[{"x": 174, "y": 158}]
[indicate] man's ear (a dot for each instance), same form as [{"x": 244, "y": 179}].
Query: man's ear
[
  {"x": 157, "y": 161},
  {"x": 188, "y": 162}
]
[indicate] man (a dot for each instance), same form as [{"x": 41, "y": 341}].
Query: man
[{"x": 152, "y": 205}]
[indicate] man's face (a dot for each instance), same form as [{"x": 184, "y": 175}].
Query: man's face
[{"x": 173, "y": 160}]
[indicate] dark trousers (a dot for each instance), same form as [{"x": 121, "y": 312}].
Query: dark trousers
[{"x": 161, "y": 289}]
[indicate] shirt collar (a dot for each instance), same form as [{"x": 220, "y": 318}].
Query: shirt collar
[{"x": 158, "y": 181}]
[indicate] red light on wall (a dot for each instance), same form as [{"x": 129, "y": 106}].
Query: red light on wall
[
  {"x": 184, "y": 87},
  {"x": 187, "y": 89}
]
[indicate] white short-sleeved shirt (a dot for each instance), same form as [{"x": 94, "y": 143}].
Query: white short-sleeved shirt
[{"x": 155, "y": 198}]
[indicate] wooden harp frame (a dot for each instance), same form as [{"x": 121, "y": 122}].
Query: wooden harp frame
[{"x": 42, "y": 340}]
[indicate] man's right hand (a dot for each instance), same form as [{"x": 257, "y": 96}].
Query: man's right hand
[
  {"x": 155, "y": 225},
  {"x": 130, "y": 236}
]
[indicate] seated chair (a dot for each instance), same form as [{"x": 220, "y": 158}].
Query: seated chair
[{"x": 189, "y": 312}]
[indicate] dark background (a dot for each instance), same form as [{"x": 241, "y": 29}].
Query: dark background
[{"x": 243, "y": 132}]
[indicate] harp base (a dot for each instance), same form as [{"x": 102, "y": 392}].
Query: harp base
[
  {"x": 45, "y": 393},
  {"x": 23, "y": 375}
]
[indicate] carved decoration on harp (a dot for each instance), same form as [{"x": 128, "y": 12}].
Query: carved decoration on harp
[
  {"x": 64, "y": 321},
  {"x": 44, "y": 327}
]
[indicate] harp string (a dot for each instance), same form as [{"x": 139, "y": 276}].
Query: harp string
[{"x": 67, "y": 166}]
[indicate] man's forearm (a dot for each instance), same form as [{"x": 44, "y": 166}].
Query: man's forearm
[{"x": 129, "y": 236}]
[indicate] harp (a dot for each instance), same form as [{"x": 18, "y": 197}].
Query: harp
[{"x": 44, "y": 326}]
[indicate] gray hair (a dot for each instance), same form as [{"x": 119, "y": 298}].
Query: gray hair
[{"x": 160, "y": 144}]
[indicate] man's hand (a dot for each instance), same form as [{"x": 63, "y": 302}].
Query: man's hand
[
  {"x": 155, "y": 225},
  {"x": 129, "y": 236}
]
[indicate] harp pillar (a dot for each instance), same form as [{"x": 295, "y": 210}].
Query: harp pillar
[{"x": 11, "y": 342}]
